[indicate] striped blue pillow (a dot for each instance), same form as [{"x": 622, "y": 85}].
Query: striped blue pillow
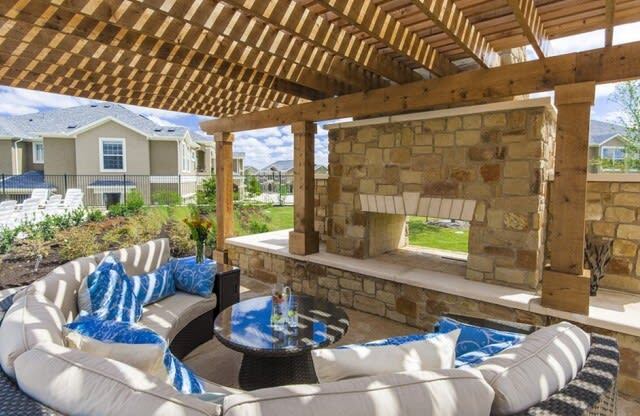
[
  {"x": 108, "y": 293},
  {"x": 113, "y": 332},
  {"x": 154, "y": 286},
  {"x": 195, "y": 278}
]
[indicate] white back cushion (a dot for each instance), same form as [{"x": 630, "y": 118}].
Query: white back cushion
[
  {"x": 422, "y": 393},
  {"x": 333, "y": 364},
  {"x": 76, "y": 383},
  {"x": 530, "y": 372},
  {"x": 31, "y": 320},
  {"x": 144, "y": 258}
]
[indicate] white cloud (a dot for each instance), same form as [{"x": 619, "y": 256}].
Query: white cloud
[
  {"x": 160, "y": 121},
  {"x": 626, "y": 33},
  {"x": 15, "y": 101}
]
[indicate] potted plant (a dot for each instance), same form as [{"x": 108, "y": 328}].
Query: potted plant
[{"x": 200, "y": 227}]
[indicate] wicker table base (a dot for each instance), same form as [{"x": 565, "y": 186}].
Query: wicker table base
[{"x": 257, "y": 372}]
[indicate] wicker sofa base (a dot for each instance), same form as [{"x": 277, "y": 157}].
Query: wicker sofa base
[{"x": 196, "y": 333}]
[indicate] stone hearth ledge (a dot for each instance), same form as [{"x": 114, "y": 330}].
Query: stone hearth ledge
[{"x": 610, "y": 310}]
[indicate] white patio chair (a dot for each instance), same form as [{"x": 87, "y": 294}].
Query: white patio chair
[
  {"x": 7, "y": 214},
  {"x": 54, "y": 205},
  {"x": 40, "y": 194},
  {"x": 29, "y": 211},
  {"x": 73, "y": 199}
]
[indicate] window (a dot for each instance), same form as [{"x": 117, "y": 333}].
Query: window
[
  {"x": 188, "y": 159},
  {"x": 612, "y": 152},
  {"x": 112, "y": 155},
  {"x": 38, "y": 153}
]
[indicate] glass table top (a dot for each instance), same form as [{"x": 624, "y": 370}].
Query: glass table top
[{"x": 246, "y": 326}]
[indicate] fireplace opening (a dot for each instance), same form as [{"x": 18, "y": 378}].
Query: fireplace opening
[{"x": 441, "y": 234}]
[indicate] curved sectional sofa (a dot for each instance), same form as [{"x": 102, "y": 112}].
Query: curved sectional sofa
[{"x": 53, "y": 379}]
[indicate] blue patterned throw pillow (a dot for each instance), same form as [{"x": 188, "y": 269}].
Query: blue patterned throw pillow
[
  {"x": 132, "y": 344},
  {"x": 194, "y": 278},
  {"x": 154, "y": 286},
  {"x": 477, "y": 343},
  {"x": 108, "y": 293}
]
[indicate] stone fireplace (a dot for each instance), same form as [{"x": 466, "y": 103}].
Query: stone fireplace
[{"x": 488, "y": 165}]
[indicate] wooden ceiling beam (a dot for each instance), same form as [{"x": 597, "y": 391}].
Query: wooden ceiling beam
[
  {"x": 35, "y": 40},
  {"x": 529, "y": 20},
  {"x": 373, "y": 20},
  {"x": 610, "y": 16},
  {"x": 232, "y": 25},
  {"x": 118, "y": 42},
  {"x": 605, "y": 65},
  {"x": 298, "y": 20},
  {"x": 58, "y": 61},
  {"x": 124, "y": 87},
  {"x": 162, "y": 103},
  {"x": 158, "y": 35},
  {"x": 448, "y": 17}
]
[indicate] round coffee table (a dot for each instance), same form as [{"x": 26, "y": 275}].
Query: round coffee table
[{"x": 278, "y": 357}]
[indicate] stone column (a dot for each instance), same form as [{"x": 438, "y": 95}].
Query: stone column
[
  {"x": 303, "y": 239},
  {"x": 224, "y": 193},
  {"x": 564, "y": 284}
]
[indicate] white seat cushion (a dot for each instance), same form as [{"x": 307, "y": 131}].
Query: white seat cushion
[
  {"x": 76, "y": 383},
  {"x": 531, "y": 371},
  {"x": 451, "y": 392},
  {"x": 435, "y": 353},
  {"x": 31, "y": 320},
  {"x": 172, "y": 314}
]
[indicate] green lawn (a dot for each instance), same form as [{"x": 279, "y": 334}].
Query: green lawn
[
  {"x": 281, "y": 218},
  {"x": 420, "y": 234},
  {"x": 424, "y": 235}
]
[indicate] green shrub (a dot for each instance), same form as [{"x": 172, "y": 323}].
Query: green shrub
[
  {"x": 135, "y": 202},
  {"x": 124, "y": 235},
  {"x": 95, "y": 215},
  {"x": 257, "y": 227},
  {"x": 31, "y": 248},
  {"x": 169, "y": 198},
  {"x": 7, "y": 239},
  {"x": 118, "y": 210},
  {"x": 78, "y": 242},
  {"x": 45, "y": 229}
]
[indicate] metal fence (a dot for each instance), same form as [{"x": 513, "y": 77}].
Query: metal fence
[
  {"x": 274, "y": 188},
  {"x": 104, "y": 190}
]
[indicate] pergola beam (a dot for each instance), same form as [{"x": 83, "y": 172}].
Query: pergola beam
[
  {"x": 373, "y": 20},
  {"x": 298, "y": 20},
  {"x": 156, "y": 35},
  {"x": 610, "y": 18},
  {"x": 527, "y": 16},
  {"x": 228, "y": 23},
  {"x": 446, "y": 15},
  {"x": 605, "y": 65}
]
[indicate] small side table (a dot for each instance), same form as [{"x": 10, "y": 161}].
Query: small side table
[{"x": 226, "y": 287}]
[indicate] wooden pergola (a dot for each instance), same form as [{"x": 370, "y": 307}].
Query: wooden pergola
[{"x": 262, "y": 63}]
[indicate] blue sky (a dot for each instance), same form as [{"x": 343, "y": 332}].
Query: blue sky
[{"x": 269, "y": 145}]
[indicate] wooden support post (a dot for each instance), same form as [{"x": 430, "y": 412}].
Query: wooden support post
[
  {"x": 565, "y": 285},
  {"x": 224, "y": 193},
  {"x": 303, "y": 239}
]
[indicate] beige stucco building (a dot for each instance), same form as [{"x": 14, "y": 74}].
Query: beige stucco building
[{"x": 105, "y": 149}]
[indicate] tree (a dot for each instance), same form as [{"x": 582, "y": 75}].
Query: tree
[
  {"x": 627, "y": 95},
  {"x": 253, "y": 186},
  {"x": 207, "y": 194}
]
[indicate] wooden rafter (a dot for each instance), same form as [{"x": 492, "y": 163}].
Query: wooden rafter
[
  {"x": 610, "y": 16},
  {"x": 36, "y": 40},
  {"x": 136, "y": 81},
  {"x": 529, "y": 20},
  {"x": 159, "y": 35},
  {"x": 296, "y": 19},
  {"x": 372, "y": 19},
  {"x": 232, "y": 25},
  {"x": 448, "y": 17},
  {"x": 603, "y": 65},
  {"x": 91, "y": 83}
]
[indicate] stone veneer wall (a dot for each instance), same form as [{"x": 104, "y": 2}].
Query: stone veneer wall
[
  {"x": 320, "y": 207},
  {"x": 405, "y": 303},
  {"x": 500, "y": 159},
  {"x": 613, "y": 211}
]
